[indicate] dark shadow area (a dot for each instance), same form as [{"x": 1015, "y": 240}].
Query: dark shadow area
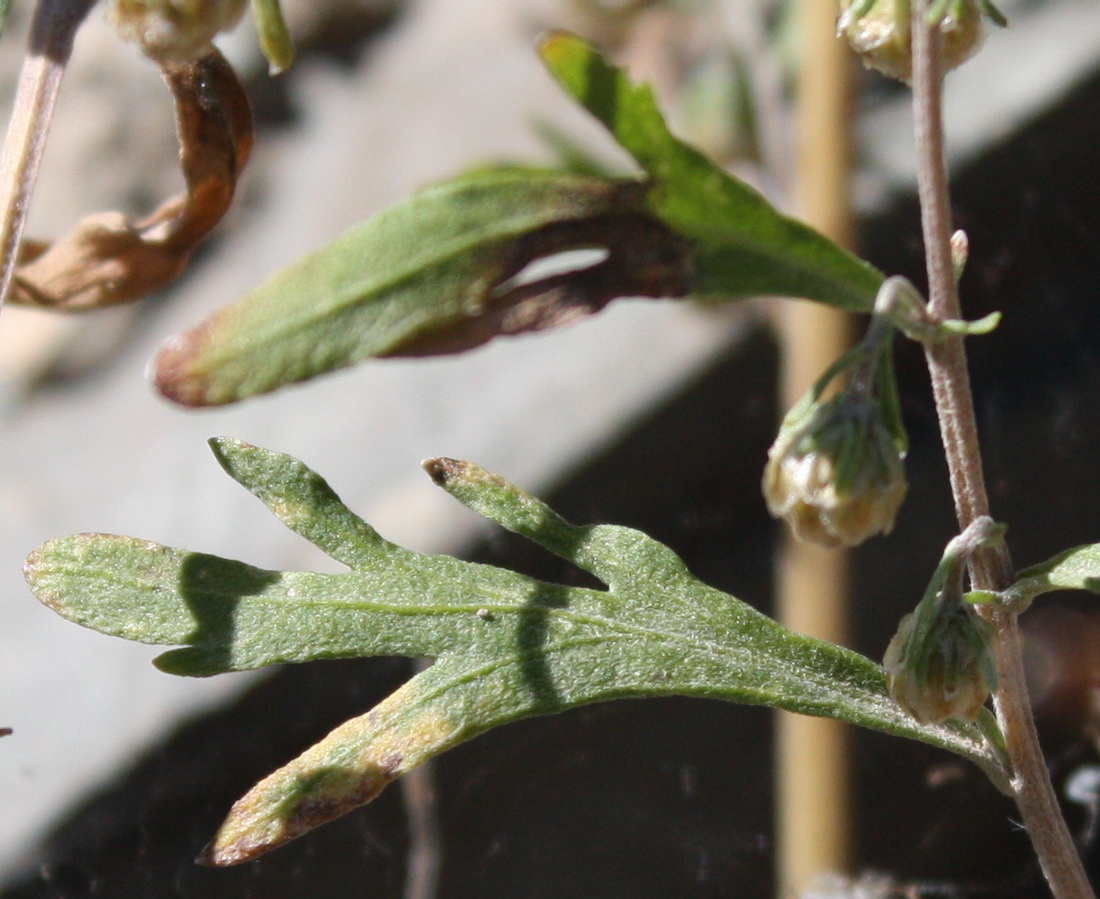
[
  {"x": 532, "y": 632},
  {"x": 137, "y": 838},
  {"x": 213, "y": 587}
]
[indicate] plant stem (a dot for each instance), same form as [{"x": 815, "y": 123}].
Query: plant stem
[
  {"x": 991, "y": 568},
  {"x": 53, "y": 29}
]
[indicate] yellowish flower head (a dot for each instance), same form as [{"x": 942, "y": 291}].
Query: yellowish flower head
[
  {"x": 835, "y": 473},
  {"x": 880, "y": 36},
  {"x": 174, "y": 30}
]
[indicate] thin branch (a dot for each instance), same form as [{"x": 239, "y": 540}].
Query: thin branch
[
  {"x": 991, "y": 569},
  {"x": 425, "y": 860},
  {"x": 51, "y": 42},
  {"x": 947, "y": 358}
]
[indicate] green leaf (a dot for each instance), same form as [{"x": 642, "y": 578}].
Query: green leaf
[
  {"x": 1075, "y": 569},
  {"x": 275, "y": 40},
  {"x": 742, "y": 245},
  {"x": 506, "y": 646},
  {"x": 438, "y": 273},
  {"x": 434, "y": 274}
]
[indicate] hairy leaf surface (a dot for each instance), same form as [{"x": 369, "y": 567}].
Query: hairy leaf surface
[
  {"x": 438, "y": 272},
  {"x": 505, "y": 646},
  {"x": 1077, "y": 568},
  {"x": 742, "y": 246},
  {"x": 431, "y": 275}
]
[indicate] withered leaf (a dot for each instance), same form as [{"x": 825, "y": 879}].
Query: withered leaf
[
  {"x": 108, "y": 259},
  {"x": 440, "y": 273},
  {"x": 444, "y": 271},
  {"x": 643, "y": 258}
]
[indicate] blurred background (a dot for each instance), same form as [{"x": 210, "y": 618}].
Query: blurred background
[{"x": 654, "y": 415}]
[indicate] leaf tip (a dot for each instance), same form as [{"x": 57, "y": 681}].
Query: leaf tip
[
  {"x": 555, "y": 41},
  {"x": 35, "y": 571},
  {"x": 296, "y": 799},
  {"x": 173, "y": 372},
  {"x": 443, "y": 471},
  {"x": 215, "y": 855},
  {"x": 226, "y": 448},
  {"x": 30, "y": 564},
  {"x": 235, "y": 843}
]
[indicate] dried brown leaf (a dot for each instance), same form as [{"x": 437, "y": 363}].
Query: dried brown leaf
[
  {"x": 644, "y": 258},
  {"x": 107, "y": 259}
]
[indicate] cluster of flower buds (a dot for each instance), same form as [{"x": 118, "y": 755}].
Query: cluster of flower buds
[
  {"x": 879, "y": 31},
  {"x": 939, "y": 665},
  {"x": 174, "y": 31},
  {"x": 835, "y": 471}
]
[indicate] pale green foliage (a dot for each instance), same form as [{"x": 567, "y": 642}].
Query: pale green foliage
[
  {"x": 435, "y": 274},
  {"x": 506, "y": 646}
]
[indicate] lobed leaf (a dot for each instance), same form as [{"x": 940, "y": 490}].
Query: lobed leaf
[{"x": 506, "y": 646}]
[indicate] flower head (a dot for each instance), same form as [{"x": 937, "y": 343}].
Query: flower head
[
  {"x": 939, "y": 665},
  {"x": 174, "y": 30},
  {"x": 835, "y": 472},
  {"x": 879, "y": 32}
]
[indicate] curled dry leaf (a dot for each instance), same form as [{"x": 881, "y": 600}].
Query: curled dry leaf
[
  {"x": 107, "y": 259},
  {"x": 454, "y": 265},
  {"x": 643, "y": 258}
]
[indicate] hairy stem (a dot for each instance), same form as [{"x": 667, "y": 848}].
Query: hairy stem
[{"x": 991, "y": 568}]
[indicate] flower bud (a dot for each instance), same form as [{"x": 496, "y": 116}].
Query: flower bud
[
  {"x": 174, "y": 30},
  {"x": 835, "y": 472},
  {"x": 878, "y": 31},
  {"x": 939, "y": 664}
]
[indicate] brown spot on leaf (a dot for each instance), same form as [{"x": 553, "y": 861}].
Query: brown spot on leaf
[
  {"x": 303, "y": 817},
  {"x": 173, "y": 375},
  {"x": 391, "y": 764},
  {"x": 314, "y": 812},
  {"x": 326, "y": 781},
  {"x": 644, "y": 258},
  {"x": 442, "y": 470},
  {"x": 106, "y": 259}
]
